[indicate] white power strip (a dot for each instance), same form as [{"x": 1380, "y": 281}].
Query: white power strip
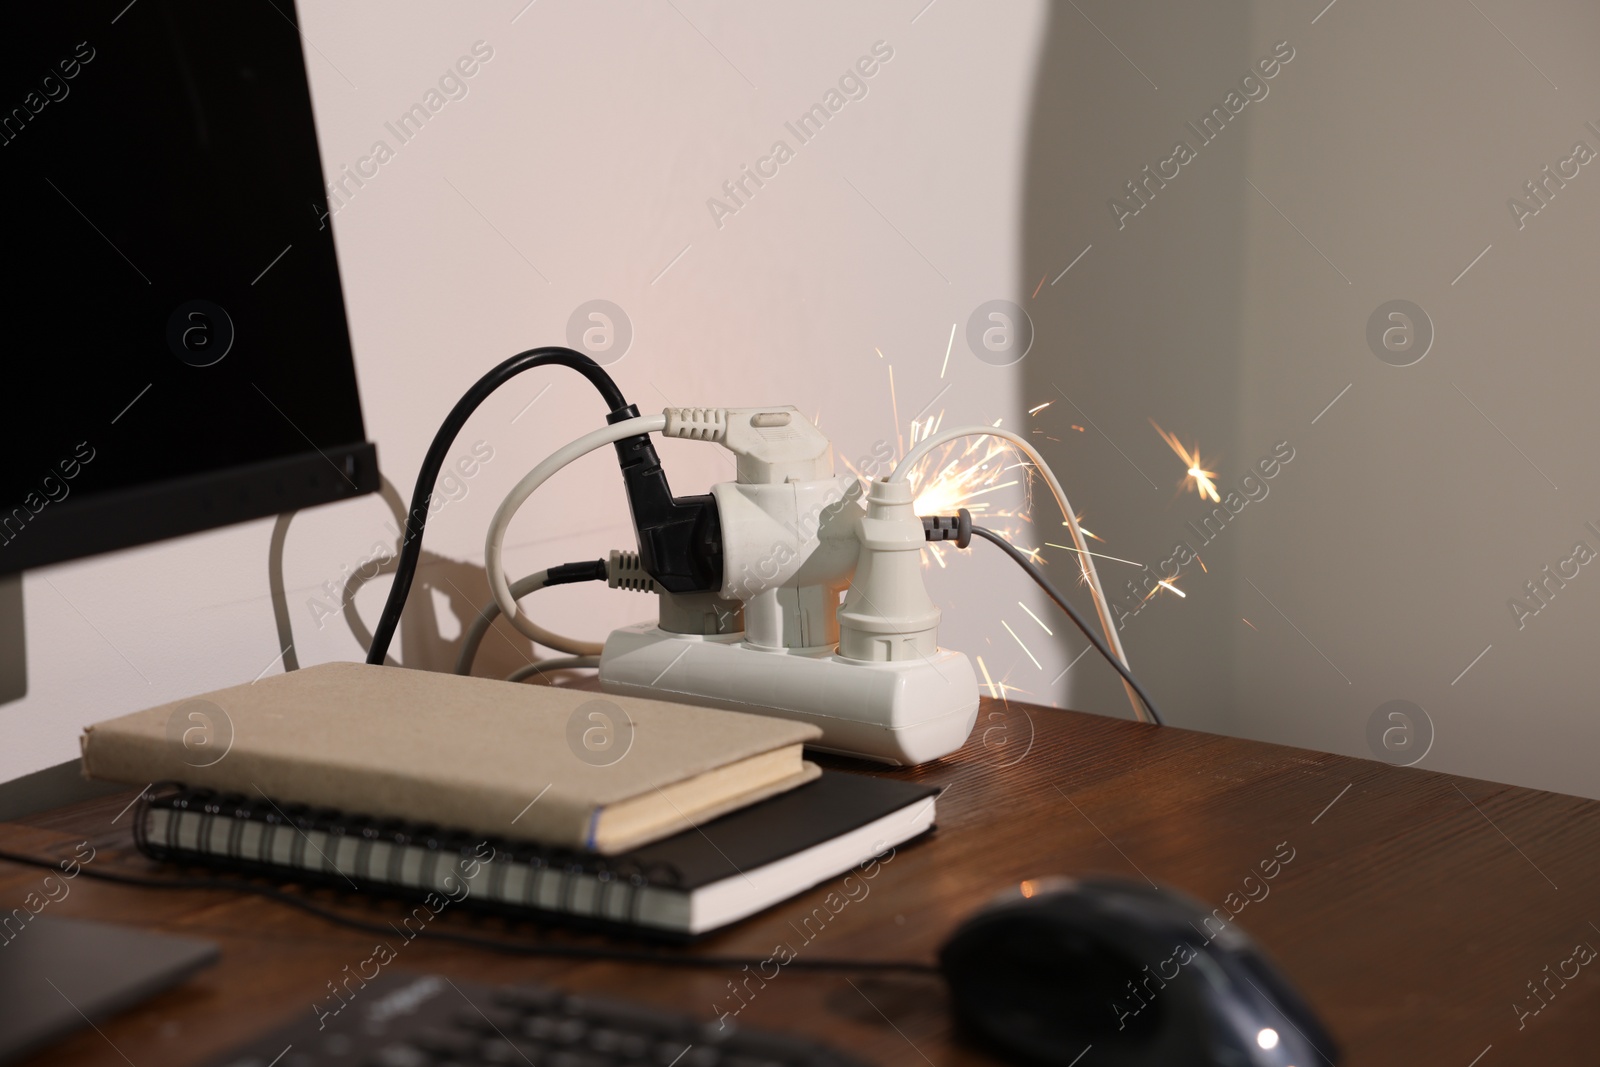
[
  {"x": 774, "y": 637},
  {"x": 901, "y": 712}
]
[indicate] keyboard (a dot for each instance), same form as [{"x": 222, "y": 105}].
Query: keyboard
[{"x": 413, "y": 1020}]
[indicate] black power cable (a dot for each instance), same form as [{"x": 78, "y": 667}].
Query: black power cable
[
  {"x": 517, "y": 948},
  {"x": 940, "y": 528},
  {"x": 438, "y": 453}
]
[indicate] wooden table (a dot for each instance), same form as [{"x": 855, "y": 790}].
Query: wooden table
[{"x": 1414, "y": 913}]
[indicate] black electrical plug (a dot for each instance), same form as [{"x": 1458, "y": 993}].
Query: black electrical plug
[
  {"x": 957, "y": 528},
  {"x": 680, "y": 538}
]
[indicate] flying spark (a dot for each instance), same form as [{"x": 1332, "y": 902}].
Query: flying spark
[
  {"x": 1035, "y": 618},
  {"x": 1085, "y": 531},
  {"x": 997, "y": 690},
  {"x": 1196, "y": 474},
  {"x": 1019, "y": 641},
  {"x": 1096, "y": 555},
  {"x": 1162, "y": 583}
]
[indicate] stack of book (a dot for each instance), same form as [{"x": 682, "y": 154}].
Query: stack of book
[{"x": 616, "y": 810}]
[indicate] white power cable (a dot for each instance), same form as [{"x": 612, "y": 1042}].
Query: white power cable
[
  {"x": 559, "y": 663},
  {"x": 1085, "y": 558},
  {"x": 473, "y": 638},
  {"x": 494, "y": 543}
]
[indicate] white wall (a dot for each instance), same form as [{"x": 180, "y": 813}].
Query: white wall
[
  {"x": 584, "y": 151},
  {"x": 1429, "y": 495}
]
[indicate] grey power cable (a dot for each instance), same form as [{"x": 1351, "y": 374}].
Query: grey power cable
[{"x": 1044, "y": 583}]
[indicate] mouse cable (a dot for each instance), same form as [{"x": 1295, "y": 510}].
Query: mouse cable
[
  {"x": 1038, "y": 575},
  {"x": 438, "y": 452},
  {"x": 908, "y": 465},
  {"x": 516, "y": 948}
]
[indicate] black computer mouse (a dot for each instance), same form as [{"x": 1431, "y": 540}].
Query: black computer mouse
[{"x": 1109, "y": 973}]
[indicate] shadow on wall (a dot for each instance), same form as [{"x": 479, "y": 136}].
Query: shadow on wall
[
  {"x": 1137, "y": 318},
  {"x": 463, "y": 587}
]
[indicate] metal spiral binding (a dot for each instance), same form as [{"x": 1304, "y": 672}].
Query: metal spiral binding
[{"x": 569, "y": 866}]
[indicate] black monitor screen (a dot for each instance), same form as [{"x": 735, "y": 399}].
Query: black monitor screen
[{"x": 176, "y": 353}]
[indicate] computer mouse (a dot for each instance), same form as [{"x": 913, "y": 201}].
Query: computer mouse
[{"x": 1109, "y": 973}]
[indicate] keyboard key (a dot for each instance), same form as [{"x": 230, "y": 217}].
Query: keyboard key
[
  {"x": 576, "y": 1059},
  {"x": 529, "y": 998},
  {"x": 569, "y": 1031},
  {"x": 398, "y": 1055},
  {"x": 669, "y": 1052},
  {"x": 619, "y": 1044},
  {"x": 628, "y": 1016},
  {"x": 701, "y": 1056},
  {"x": 503, "y": 1052},
  {"x": 488, "y": 1020}
]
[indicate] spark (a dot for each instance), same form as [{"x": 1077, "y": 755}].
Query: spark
[
  {"x": 1162, "y": 583},
  {"x": 1196, "y": 474},
  {"x": 964, "y": 473},
  {"x": 1039, "y": 286},
  {"x": 1084, "y": 530},
  {"x": 1096, "y": 555},
  {"x": 1035, "y": 618},
  {"x": 957, "y": 474},
  {"x": 997, "y": 690},
  {"x": 1202, "y": 563},
  {"x": 879, "y": 351},
  {"x": 988, "y": 681},
  {"x": 992, "y": 488},
  {"x": 1248, "y": 623},
  {"x": 1075, "y": 426},
  {"x": 1019, "y": 641}
]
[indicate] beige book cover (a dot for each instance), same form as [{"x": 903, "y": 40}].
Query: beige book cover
[{"x": 556, "y": 766}]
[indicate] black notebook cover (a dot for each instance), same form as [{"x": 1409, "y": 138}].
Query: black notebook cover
[
  {"x": 780, "y": 826},
  {"x": 298, "y": 843}
]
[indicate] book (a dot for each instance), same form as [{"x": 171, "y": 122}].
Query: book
[
  {"x": 562, "y": 767},
  {"x": 689, "y": 884}
]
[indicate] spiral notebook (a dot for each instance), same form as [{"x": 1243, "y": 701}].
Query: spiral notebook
[{"x": 688, "y": 884}]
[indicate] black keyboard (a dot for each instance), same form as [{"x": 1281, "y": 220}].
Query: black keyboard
[{"x": 411, "y": 1020}]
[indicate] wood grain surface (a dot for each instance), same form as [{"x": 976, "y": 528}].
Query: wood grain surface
[{"x": 1415, "y": 912}]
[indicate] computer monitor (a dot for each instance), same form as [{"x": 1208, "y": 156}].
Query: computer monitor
[{"x": 177, "y": 352}]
